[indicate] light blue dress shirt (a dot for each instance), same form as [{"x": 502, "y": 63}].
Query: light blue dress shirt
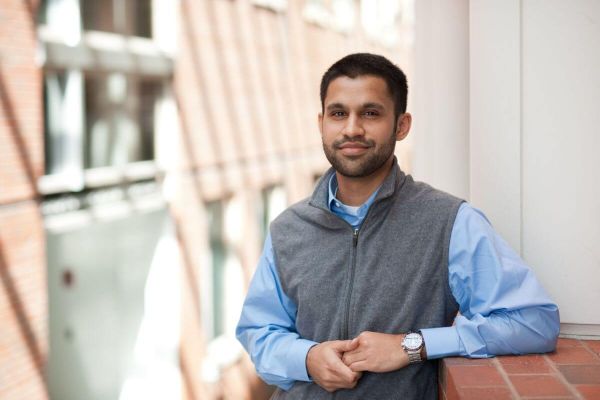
[{"x": 503, "y": 308}]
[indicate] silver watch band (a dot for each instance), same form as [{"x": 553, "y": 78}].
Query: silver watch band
[{"x": 414, "y": 356}]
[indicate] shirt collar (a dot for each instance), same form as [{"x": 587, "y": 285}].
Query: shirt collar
[{"x": 333, "y": 202}]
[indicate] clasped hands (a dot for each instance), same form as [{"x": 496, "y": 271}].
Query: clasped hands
[{"x": 339, "y": 364}]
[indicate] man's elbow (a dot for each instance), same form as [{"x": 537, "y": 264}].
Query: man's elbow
[{"x": 550, "y": 318}]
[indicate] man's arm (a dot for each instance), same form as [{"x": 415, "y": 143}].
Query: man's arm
[
  {"x": 267, "y": 330},
  {"x": 504, "y": 309}
]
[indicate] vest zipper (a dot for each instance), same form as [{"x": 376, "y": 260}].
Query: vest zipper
[{"x": 346, "y": 316}]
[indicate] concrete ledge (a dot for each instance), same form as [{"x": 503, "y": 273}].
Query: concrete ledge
[{"x": 572, "y": 372}]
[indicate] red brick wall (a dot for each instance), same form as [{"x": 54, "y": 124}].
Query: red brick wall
[
  {"x": 572, "y": 372},
  {"x": 23, "y": 304}
]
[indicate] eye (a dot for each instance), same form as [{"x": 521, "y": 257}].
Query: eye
[
  {"x": 371, "y": 113},
  {"x": 337, "y": 114}
]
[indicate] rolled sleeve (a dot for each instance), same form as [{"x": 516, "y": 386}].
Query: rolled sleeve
[
  {"x": 504, "y": 308},
  {"x": 442, "y": 342}
]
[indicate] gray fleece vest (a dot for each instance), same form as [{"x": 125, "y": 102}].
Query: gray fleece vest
[{"x": 391, "y": 276}]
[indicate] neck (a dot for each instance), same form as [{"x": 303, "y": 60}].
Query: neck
[{"x": 356, "y": 191}]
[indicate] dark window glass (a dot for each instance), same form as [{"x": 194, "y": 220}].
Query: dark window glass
[
  {"x": 218, "y": 250},
  {"x": 125, "y": 17},
  {"x": 98, "y": 15},
  {"x": 120, "y": 119},
  {"x": 143, "y": 18},
  {"x": 149, "y": 93}
]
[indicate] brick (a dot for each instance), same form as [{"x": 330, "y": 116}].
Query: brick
[
  {"x": 581, "y": 374},
  {"x": 467, "y": 361},
  {"x": 451, "y": 392},
  {"x": 487, "y": 393},
  {"x": 539, "y": 385},
  {"x": 589, "y": 392},
  {"x": 593, "y": 345},
  {"x": 562, "y": 342},
  {"x": 531, "y": 364},
  {"x": 476, "y": 375},
  {"x": 574, "y": 355}
]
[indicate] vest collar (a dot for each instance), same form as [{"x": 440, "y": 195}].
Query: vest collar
[{"x": 391, "y": 183}]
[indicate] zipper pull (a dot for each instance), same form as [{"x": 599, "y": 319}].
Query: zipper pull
[{"x": 355, "y": 237}]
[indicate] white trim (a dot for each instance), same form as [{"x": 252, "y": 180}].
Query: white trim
[{"x": 580, "y": 331}]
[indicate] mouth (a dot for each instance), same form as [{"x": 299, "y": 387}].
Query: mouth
[{"x": 353, "y": 148}]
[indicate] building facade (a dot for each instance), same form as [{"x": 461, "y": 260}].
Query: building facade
[{"x": 146, "y": 145}]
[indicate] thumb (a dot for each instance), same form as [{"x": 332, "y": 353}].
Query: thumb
[
  {"x": 352, "y": 345},
  {"x": 341, "y": 345}
]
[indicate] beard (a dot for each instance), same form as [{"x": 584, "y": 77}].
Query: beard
[{"x": 363, "y": 165}]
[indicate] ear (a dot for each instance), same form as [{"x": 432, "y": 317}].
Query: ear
[
  {"x": 321, "y": 123},
  {"x": 403, "y": 126}
]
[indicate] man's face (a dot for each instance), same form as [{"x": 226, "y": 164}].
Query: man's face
[{"x": 358, "y": 127}]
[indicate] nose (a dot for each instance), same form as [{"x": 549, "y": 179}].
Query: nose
[{"x": 353, "y": 126}]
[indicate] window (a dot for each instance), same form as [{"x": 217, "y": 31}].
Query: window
[
  {"x": 120, "y": 114},
  {"x": 98, "y": 15},
  {"x": 125, "y": 17},
  {"x": 272, "y": 204},
  {"x": 218, "y": 255},
  {"x": 225, "y": 271},
  {"x": 101, "y": 108},
  {"x": 63, "y": 119},
  {"x": 106, "y": 120},
  {"x": 222, "y": 285}
]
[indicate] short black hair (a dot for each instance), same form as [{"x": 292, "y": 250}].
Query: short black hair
[{"x": 360, "y": 64}]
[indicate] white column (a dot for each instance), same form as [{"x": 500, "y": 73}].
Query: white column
[
  {"x": 441, "y": 95},
  {"x": 561, "y": 167},
  {"x": 495, "y": 114}
]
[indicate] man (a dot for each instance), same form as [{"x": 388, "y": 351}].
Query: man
[{"x": 358, "y": 286}]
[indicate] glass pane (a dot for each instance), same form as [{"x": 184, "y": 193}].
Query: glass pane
[
  {"x": 98, "y": 15},
  {"x": 273, "y": 203},
  {"x": 63, "y": 122},
  {"x": 54, "y": 91},
  {"x": 150, "y": 93},
  {"x": 120, "y": 119},
  {"x": 143, "y": 18},
  {"x": 219, "y": 256}
]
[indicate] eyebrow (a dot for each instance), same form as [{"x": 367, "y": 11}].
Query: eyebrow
[
  {"x": 373, "y": 105},
  {"x": 337, "y": 106}
]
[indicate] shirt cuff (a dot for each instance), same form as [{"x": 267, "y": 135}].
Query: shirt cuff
[
  {"x": 297, "y": 356},
  {"x": 442, "y": 342}
]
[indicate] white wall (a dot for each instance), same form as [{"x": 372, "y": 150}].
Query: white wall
[
  {"x": 533, "y": 138},
  {"x": 560, "y": 144},
  {"x": 440, "y": 132}
]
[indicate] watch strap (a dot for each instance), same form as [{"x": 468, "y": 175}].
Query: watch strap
[{"x": 414, "y": 356}]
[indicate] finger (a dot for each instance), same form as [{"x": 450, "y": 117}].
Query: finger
[
  {"x": 340, "y": 345},
  {"x": 353, "y": 344},
  {"x": 359, "y": 366},
  {"x": 345, "y": 373},
  {"x": 353, "y": 357}
]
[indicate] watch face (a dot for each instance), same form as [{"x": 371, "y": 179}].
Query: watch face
[{"x": 413, "y": 341}]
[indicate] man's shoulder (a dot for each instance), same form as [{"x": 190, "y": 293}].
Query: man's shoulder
[
  {"x": 294, "y": 210},
  {"x": 423, "y": 192}
]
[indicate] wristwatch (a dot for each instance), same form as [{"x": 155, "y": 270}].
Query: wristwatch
[{"x": 413, "y": 343}]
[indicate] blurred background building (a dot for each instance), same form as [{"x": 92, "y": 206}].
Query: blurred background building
[{"x": 146, "y": 144}]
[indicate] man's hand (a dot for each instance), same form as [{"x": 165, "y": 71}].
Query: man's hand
[
  {"x": 376, "y": 352},
  {"x": 325, "y": 366}
]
